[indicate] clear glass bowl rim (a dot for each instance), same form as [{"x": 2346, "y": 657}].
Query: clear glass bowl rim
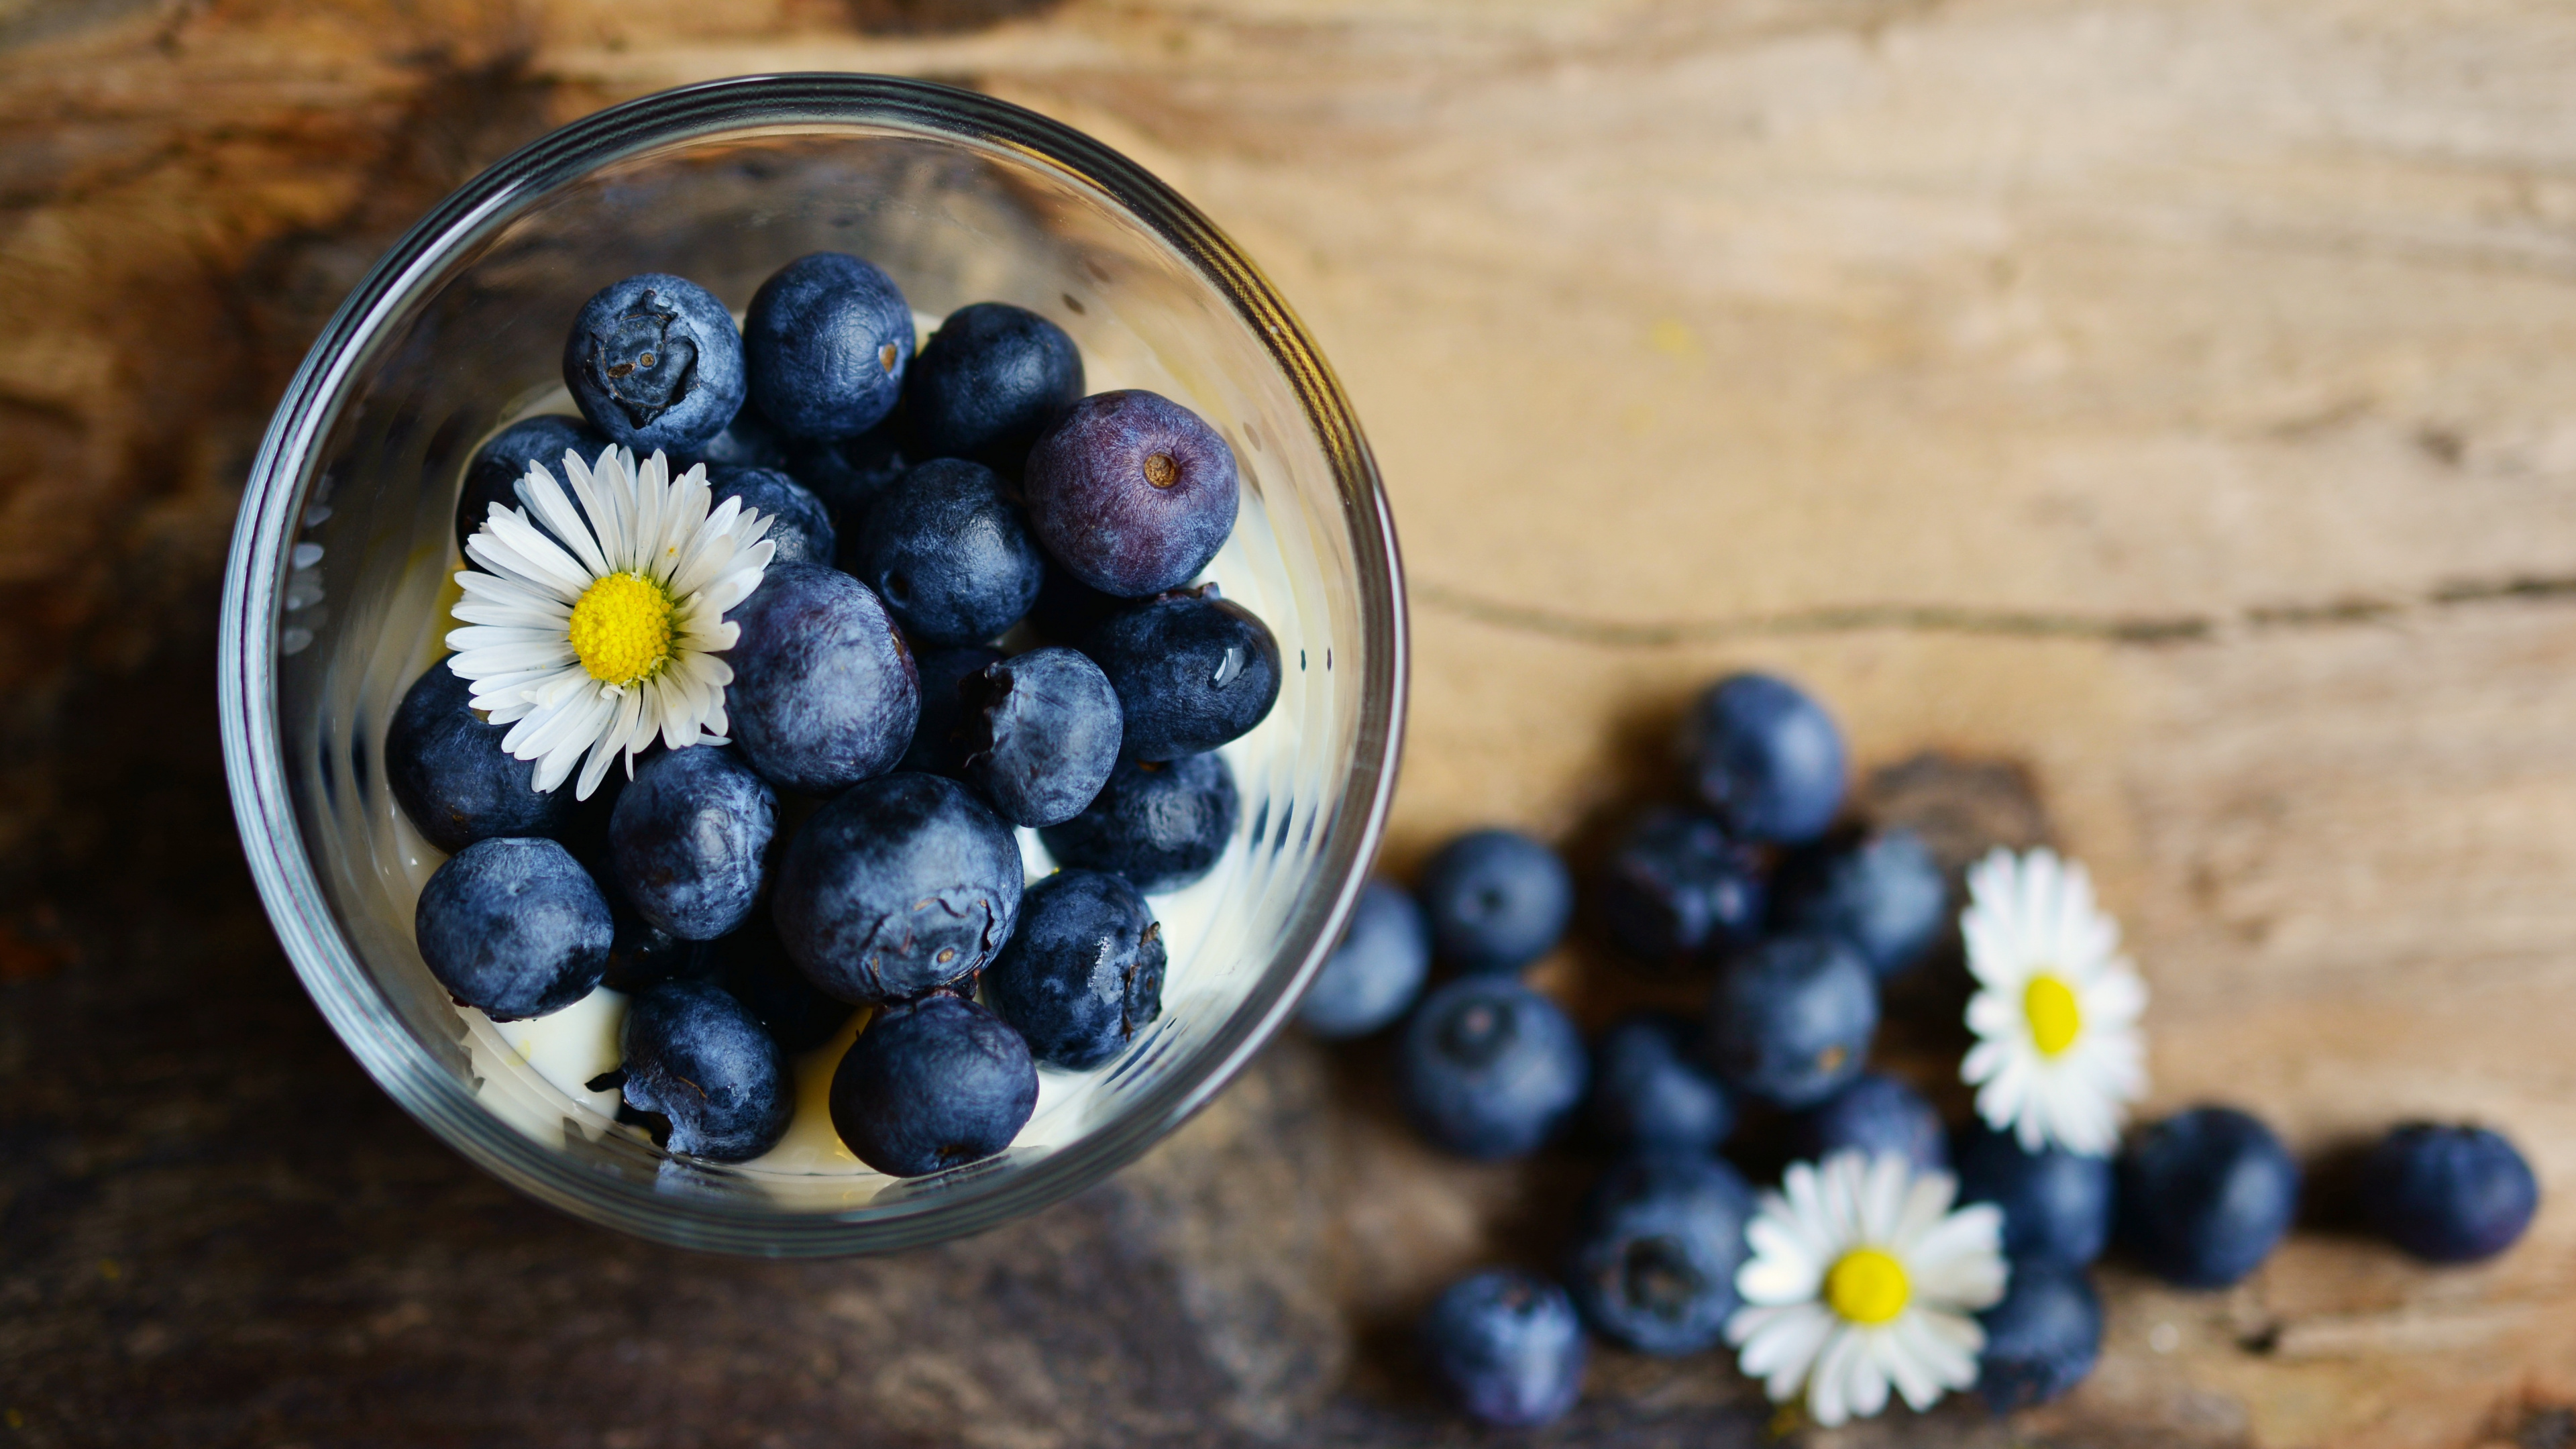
[{"x": 283, "y": 472}]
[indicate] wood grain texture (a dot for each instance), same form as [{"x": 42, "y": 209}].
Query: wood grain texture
[{"x": 2164, "y": 402}]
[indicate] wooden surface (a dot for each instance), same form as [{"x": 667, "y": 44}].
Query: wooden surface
[{"x": 2158, "y": 413}]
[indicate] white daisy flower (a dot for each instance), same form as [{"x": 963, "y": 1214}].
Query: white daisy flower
[
  {"x": 2058, "y": 1057},
  {"x": 600, "y": 629},
  {"x": 1862, "y": 1277}
]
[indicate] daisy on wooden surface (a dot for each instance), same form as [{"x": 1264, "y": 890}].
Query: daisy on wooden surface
[{"x": 2058, "y": 1057}]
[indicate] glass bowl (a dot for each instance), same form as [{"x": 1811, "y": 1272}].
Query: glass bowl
[{"x": 333, "y": 597}]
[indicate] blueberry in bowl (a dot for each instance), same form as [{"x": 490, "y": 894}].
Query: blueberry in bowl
[{"x": 654, "y": 361}]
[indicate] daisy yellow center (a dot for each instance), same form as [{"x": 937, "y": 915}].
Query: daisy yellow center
[
  {"x": 621, "y": 628},
  {"x": 2055, "y": 1019},
  {"x": 1867, "y": 1286}
]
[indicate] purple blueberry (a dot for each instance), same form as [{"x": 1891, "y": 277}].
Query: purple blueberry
[
  {"x": 937, "y": 748},
  {"x": 1373, "y": 976},
  {"x": 826, "y": 339},
  {"x": 1040, "y": 732},
  {"x": 799, "y": 524},
  {"x": 898, "y": 886},
  {"x": 654, "y": 362},
  {"x": 693, "y": 1054},
  {"x": 1654, "y": 1261},
  {"x": 823, "y": 692},
  {"x": 514, "y": 927},
  {"x": 493, "y": 476},
  {"x": 2056, "y": 1204},
  {"x": 452, "y": 778},
  {"x": 755, "y": 969},
  {"x": 689, "y": 840},
  {"x": 988, "y": 382},
  {"x": 1677, "y": 888},
  {"x": 2448, "y": 1194},
  {"x": 950, "y": 554},
  {"x": 1488, "y": 1068},
  {"x": 1884, "y": 894},
  {"x": 1160, "y": 825},
  {"x": 1506, "y": 1347},
  {"x": 1132, "y": 492},
  {"x": 1083, "y": 973},
  {"x": 1875, "y": 1114},
  {"x": 933, "y": 1084},
  {"x": 1497, "y": 900},
  {"x": 1766, "y": 758},
  {"x": 1192, "y": 670},
  {"x": 2042, "y": 1339},
  {"x": 2205, "y": 1196},
  {"x": 1650, "y": 1089},
  {"x": 1791, "y": 1020}
]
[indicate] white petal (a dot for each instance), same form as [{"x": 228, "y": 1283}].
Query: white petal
[
  {"x": 1935, "y": 1362},
  {"x": 1948, "y": 1344},
  {"x": 1779, "y": 1345},
  {"x": 1893, "y": 1348},
  {"x": 1960, "y": 1262},
  {"x": 1833, "y": 1382},
  {"x": 1882, "y": 1196},
  {"x": 1782, "y": 1269},
  {"x": 1927, "y": 1201},
  {"x": 2114, "y": 998}
]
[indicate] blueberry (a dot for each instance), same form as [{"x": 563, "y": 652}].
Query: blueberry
[
  {"x": 1083, "y": 974},
  {"x": 755, "y": 968},
  {"x": 515, "y": 927},
  {"x": 690, "y": 839},
  {"x": 933, "y": 1084},
  {"x": 1874, "y": 1114},
  {"x": 1192, "y": 671},
  {"x": 949, "y": 552},
  {"x": 1653, "y": 1264},
  {"x": 823, "y": 692},
  {"x": 1067, "y": 609},
  {"x": 2042, "y": 1339},
  {"x": 1676, "y": 887},
  {"x": 849, "y": 473},
  {"x": 799, "y": 524},
  {"x": 1488, "y": 1068},
  {"x": 2448, "y": 1194},
  {"x": 1791, "y": 1020},
  {"x": 936, "y": 746},
  {"x": 2205, "y": 1195},
  {"x": 493, "y": 476},
  {"x": 1160, "y": 825},
  {"x": 1376, "y": 971},
  {"x": 452, "y": 778},
  {"x": 2056, "y": 1204},
  {"x": 749, "y": 441},
  {"x": 988, "y": 382},
  {"x": 1766, "y": 758},
  {"x": 1884, "y": 894},
  {"x": 654, "y": 362},
  {"x": 1650, "y": 1090},
  {"x": 1132, "y": 492},
  {"x": 827, "y": 338},
  {"x": 697, "y": 1057},
  {"x": 641, "y": 954},
  {"x": 1497, "y": 900},
  {"x": 897, "y": 887},
  {"x": 1506, "y": 1347},
  {"x": 1041, "y": 735}
]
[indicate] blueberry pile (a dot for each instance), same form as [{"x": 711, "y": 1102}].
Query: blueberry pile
[
  {"x": 982, "y": 614},
  {"x": 1758, "y": 884}
]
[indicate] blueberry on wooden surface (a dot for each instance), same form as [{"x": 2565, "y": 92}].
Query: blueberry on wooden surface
[
  {"x": 1193, "y": 671},
  {"x": 654, "y": 362},
  {"x": 824, "y": 694},
  {"x": 753, "y": 965},
  {"x": 1677, "y": 888},
  {"x": 1650, "y": 1088},
  {"x": 493, "y": 476},
  {"x": 1654, "y": 1261},
  {"x": 1791, "y": 1020},
  {"x": 515, "y": 927},
  {"x": 988, "y": 383},
  {"x": 2205, "y": 1196},
  {"x": 950, "y": 554},
  {"x": 1373, "y": 976},
  {"x": 1766, "y": 758},
  {"x": 2448, "y": 1194},
  {"x": 2056, "y": 1204},
  {"x": 827, "y": 339},
  {"x": 932, "y": 1084},
  {"x": 1162, "y": 825},
  {"x": 937, "y": 747},
  {"x": 799, "y": 525},
  {"x": 1041, "y": 735},
  {"x": 1884, "y": 894},
  {"x": 1497, "y": 900},
  {"x": 1488, "y": 1068},
  {"x": 1083, "y": 972},
  {"x": 1874, "y": 1114},
  {"x": 1132, "y": 493},
  {"x": 451, "y": 777},
  {"x": 695, "y": 1055},
  {"x": 690, "y": 840},
  {"x": 2042, "y": 1339},
  {"x": 897, "y": 886},
  {"x": 1506, "y": 1347}
]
